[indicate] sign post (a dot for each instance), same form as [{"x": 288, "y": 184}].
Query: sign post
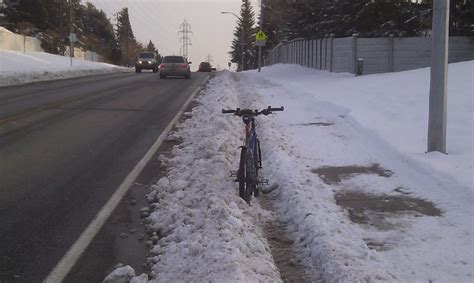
[
  {"x": 260, "y": 40},
  {"x": 72, "y": 39}
]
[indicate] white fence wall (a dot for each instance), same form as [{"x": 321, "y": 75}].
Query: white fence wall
[
  {"x": 18, "y": 42},
  {"x": 379, "y": 55}
]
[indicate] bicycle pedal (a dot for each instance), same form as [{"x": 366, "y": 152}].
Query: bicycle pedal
[{"x": 263, "y": 181}]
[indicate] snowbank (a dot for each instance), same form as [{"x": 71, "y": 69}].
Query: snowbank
[
  {"x": 394, "y": 107},
  {"x": 207, "y": 233},
  {"x": 20, "y": 68}
]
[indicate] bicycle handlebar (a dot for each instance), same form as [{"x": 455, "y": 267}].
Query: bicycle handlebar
[
  {"x": 230, "y": 111},
  {"x": 239, "y": 112},
  {"x": 276, "y": 109}
]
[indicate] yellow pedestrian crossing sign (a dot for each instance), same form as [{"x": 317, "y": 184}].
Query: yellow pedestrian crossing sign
[{"x": 261, "y": 36}]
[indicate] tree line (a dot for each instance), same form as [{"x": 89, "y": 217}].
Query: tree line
[
  {"x": 49, "y": 20},
  {"x": 284, "y": 20}
]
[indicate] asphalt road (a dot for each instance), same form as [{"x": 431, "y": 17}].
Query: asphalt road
[{"x": 65, "y": 146}]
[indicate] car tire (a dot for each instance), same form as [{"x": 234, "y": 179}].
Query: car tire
[
  {"x": 138, "y": 70},
  {"x": 155, "y": 70},
  {"x": 162, "y": 77},
  {"x": 188, "y": 76}
]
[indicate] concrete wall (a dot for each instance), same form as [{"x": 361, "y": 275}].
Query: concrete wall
[
  {"x": 342, "y": 57},
  {"x": 380, "y": 55},
  {"x": 17, "y": 42},
  {"x": 411, "y": 53},
  {"x": 375, "y": 52}
]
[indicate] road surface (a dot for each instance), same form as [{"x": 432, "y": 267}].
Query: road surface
[{"x": 65, "y": 146}]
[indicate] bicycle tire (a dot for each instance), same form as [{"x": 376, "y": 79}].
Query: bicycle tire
[
  {"x": 258, "y": 156},
  {"x": 244, "y": 184},
  {"x": 257, "y": 159}
]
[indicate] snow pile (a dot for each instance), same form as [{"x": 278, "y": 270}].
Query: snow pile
[
  {"x": 20, "y": 68},
  {"x": 394, "y": 107},
  {"x": 338, "y": 120},
  {"x": 125, "y": 274},
  {"x": 207, "y": 233}
]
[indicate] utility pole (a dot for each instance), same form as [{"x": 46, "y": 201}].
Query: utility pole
[
  {"x": 185, "y": 30},
  {"x": 209, "y": 58},
  {"x": 439, "y": 77},
  {"x": 70, "y": 31},
  {"x": 260, "y": 47}
]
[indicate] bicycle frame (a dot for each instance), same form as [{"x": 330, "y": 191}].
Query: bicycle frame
[{"x": 251, "y": 144}]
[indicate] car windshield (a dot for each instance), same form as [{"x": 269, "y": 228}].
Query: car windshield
[
  {"x": 173, "y": 59},
  {"x": 146, "y": 55},
  {"x": 205, "y": 64}
]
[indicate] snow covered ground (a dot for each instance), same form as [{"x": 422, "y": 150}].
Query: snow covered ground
[
  {"x": 353, "y": 192},
  {"x": 20, "y": 68},
  {"x": 352, "y": 197}
]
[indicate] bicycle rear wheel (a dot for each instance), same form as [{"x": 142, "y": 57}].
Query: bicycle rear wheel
[
  {"x": 257, "y": 160},
  {"x": 245, "y": 184}
]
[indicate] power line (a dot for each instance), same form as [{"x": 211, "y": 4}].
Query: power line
[
  {"x": 209, "y": 58},
  {"x": 185, "y": 30}
]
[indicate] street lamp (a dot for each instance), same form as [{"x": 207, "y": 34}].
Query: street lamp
[{"x": 242, "y": 43}]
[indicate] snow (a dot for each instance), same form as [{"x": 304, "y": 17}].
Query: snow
[
  {"x": 125, "y": 274},
  {"x": 203, "y": 231},
  {"x": 208, "y": 234},
  {"x": 19, "y": 68}
]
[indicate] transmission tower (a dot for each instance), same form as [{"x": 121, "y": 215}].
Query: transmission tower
[
  {"x": 185, "y": 31},
  {"x": 209, "y": 58}
]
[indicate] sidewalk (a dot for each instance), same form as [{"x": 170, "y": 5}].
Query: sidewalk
[{"x": 362, "y": 208}]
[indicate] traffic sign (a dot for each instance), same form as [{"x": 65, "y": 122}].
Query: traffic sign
[
  {"x": 261, "y": 36},
  {"x": 72, "y": 37}
]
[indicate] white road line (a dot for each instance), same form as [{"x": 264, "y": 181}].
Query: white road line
[{"x": 74, "y": 253}]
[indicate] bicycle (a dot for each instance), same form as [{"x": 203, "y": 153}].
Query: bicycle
[{"x": 251, "y": 154}]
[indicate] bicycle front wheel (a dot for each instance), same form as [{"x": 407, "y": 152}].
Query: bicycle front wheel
[{"x": 245, "y": 184}]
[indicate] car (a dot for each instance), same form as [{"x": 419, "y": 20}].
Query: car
[
  {"x": 146, "y": 60},
  {"x": 177, "y": 66},
  {"x": 205, "y": 67}
]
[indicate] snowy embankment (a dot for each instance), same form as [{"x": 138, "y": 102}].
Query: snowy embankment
[
  {"x": 414, "y": 216},
  {"x": 377, "y": 119},
  {"x": 20, "y": 68}
]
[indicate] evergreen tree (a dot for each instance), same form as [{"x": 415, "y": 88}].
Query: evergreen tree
[
  {"x": 97, "y": 33},
  {"x": 126, "y": 39},
  {"x": 461, "y": 18},
  {"x": 49, "y": 20},
  {"x": 273, "y": 16},
  {"x": 368, "y": 18},
  {"x": 246, "y": 23},
  {"x": 8, "y": 8},
  {"x": 151, "y": 47}
]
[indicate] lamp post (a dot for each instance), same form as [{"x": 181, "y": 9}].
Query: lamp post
[{"x": 242, "y": 42}]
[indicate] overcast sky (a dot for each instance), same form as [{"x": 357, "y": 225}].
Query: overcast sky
[{"x": 160, "y": 20}]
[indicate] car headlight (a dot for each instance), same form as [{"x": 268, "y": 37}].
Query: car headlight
[
  {"x": 139, "y": 62},
  {"x": 149, "y": 62}
]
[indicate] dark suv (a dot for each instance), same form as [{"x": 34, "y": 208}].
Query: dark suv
[
  {"x": 146, "y": 60},
  {"x": 205, "y": 67}
]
